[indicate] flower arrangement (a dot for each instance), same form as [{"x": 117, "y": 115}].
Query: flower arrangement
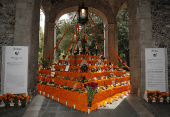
[
  {"x": 1, "y": 99},
  {"x": 46, "y": 62},
  {"x": 83, "y": 41},
  {"x": 84, "y": 66},
  {"x": 93, "y": 69},
  {"x": 150, "y": 95},
  {"x": 24, "y": 99},
  {"x": 120, "y": 64},
  {"x": 157, "y": 95},
  {"x": 91, "y": 89},
  {"x": 165, "y": 95},
  {"x": 7, "y": 98}
]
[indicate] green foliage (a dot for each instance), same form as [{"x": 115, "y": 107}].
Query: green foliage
[
  {"x": 123, "y": 34},
  {"x": 64, "y": 45},
  {"x": 41, "y": 44}
]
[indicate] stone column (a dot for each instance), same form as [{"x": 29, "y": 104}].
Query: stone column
[
  {"x": 49, "y": 39},
  {"x": 112, "y": 40},
  {"x": 26, "y": 33},
  {"x": 140, "y": 37}
]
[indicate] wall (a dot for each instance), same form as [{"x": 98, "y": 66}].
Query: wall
[
  {"x": 19, "y": 26},
  {"x": 7, "y": 24},
  {"x": 160, "y": 13}
]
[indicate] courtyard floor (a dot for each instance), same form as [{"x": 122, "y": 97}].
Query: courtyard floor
[{"x": 129, "y": 106}]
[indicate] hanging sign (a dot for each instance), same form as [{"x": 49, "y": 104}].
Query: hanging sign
[
  {"x": 156, "y": 69},
  {"x": 14, "y": 71}
]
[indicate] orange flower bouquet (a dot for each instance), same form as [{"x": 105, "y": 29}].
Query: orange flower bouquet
[
  {"x": 24, "y": 99},
  {"x": 91, "y": 89},
  {"x": 150, "y": 96},
  {"x": 164, "y": 96},
  {"x": 1, "y": 99},
  {"x": 157, "y": 96},
  {"x": 7, "y": 98}
]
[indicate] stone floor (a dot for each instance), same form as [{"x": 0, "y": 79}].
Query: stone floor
[{"x": 129, "y": 106}]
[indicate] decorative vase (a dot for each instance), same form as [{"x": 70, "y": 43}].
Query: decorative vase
[
  {"x": 15, "y": 105},
  {"x": 7, "y": 105},
  {"x": 157, "y": 101},
  {"x": 164, "y": 102},
  {"x": 149, "y": 101}
]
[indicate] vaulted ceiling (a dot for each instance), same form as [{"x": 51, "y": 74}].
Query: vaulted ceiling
[{"x": 109, "y": 8}]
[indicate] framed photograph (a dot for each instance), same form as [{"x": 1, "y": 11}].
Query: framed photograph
[
  {"x": 67, "y": 68},
  {"x": 112, "y": 75},
  {"x": 52, "y": 74},
  {"x": 99, "y": 69}
]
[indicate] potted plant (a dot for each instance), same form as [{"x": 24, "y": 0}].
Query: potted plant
[
  {"x": 91, "y": 89},
  {"x": 7, "y": 98},
  {"x": 24, "y": 100},
  {"x": 164, "y": 96},
  {"x": 120, "y": 64},
  {"x": 46, "y": 62},
  {"x": 15, "y": 100},
  {"x": 157, "y": 96},
  {"x": 93, "y": 69},
  {"x": 1, "y": 99},
  {"x": 74, "y": 69},
  {"x": 150, "y": 96},
  {"x": 44, "y": 82}
]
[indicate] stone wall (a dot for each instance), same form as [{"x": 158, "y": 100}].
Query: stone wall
[
  {"x": 160, "y": 13},
  {"x": 7, "y": 24}
]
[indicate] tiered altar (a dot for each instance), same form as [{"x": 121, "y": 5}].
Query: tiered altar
[
  {"x": 83, "y": 81},
  {"x": 66, "y": 85}
]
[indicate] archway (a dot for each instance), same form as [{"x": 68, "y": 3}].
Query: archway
[{"x": 109, "y": 32}]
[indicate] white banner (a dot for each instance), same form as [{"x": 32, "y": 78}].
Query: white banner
[
  {"x": 156, "y": 67},
  {"x": 15, "y": 69}
]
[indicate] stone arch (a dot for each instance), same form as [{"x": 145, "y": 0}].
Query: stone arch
[{"x": 92, "y": 10}]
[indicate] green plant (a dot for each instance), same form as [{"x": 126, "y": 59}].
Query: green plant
[
  {"x": 165, "y": 95},
  {"x": 1, "y": 99},
  {"x": 24, "y": 99},
  {"x": 78, "y": 89},
  {"x": 121, "y": 63},
  {"x": 15, "y": 99},
  {"x": 67, "y": 87},
  {"x": 93, "y": 69},
  {"x": 74, "y": 79},
  {"x": 66, "y": 78},
  {"x": 44, "y": 82},
  {"x": 157, "y": 95},
  {"x": 46, "y": 63},
  {"x": 91, "y": 89},
  {"x": 55, "y": 85}
]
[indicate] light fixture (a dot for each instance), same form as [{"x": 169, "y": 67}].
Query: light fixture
[{"x": 82, "y": 14}]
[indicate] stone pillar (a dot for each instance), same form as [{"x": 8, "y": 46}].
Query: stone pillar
[
  {"x": 112, "y": 40},
  {"x": 26, "y": 33},
  {"x": 49, "y": 39},
  {"x": 140, "y": 37}
]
